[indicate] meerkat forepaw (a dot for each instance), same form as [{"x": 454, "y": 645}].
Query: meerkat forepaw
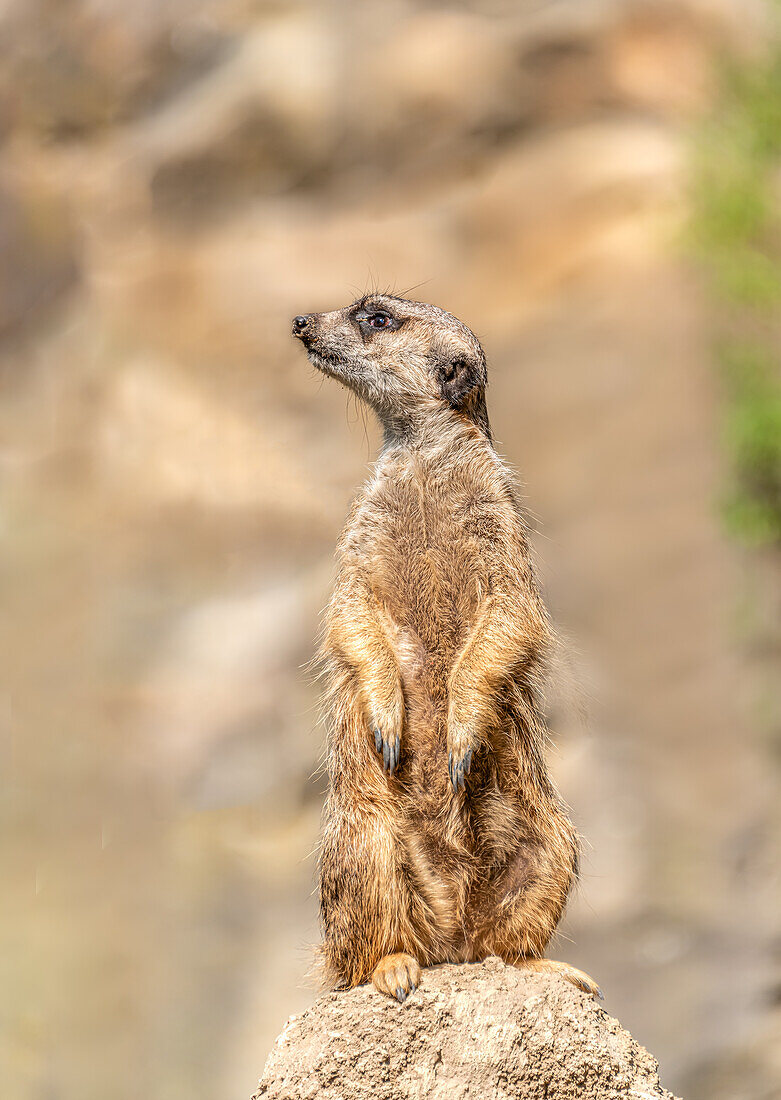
[
  {"x": 386, "y": 718},
  {"x": 461, "y": 748},
  {"x": 389, "y": 748},
  {"x": 459, "y": 769}
]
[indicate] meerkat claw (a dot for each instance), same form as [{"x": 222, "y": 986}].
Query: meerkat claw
[
  {"x": 391, "y": 751},
  {"x": 458, "y": 770},
  {"x": 397, "y": 976},
  {"x": 456, "y": 773}
]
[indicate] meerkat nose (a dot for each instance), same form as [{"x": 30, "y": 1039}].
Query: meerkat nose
[{"x": 299, "y": 324}]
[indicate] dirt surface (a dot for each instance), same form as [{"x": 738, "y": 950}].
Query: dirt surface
[{"x": 487, "y": 1030}]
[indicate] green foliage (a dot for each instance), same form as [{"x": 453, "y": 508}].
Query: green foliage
[
  {"x": 753, "y": 508},
  {"x": 736, "y": 231}
]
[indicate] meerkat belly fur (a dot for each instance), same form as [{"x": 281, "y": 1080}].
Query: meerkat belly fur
[{"x": 444, "y": 839}]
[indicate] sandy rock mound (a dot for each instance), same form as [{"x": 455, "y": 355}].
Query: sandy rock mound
[{"x": 486, "y": 1031}]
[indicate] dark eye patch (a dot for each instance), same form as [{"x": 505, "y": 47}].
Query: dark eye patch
[{"x": 377, "y": 319}]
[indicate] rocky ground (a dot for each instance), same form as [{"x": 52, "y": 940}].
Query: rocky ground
[
  {"x": 484, "y": 1030},
  {"x": 176, "y": 182}
]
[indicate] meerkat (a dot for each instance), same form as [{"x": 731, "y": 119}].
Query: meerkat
[{"x": 444, "y": 839}]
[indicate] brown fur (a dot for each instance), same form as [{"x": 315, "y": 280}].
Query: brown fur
[{"x": 436, "y": 641}]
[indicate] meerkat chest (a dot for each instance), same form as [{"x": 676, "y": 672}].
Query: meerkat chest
[
  {"x": 429, "y": 542},
  {"x": 450, "y": 513}
]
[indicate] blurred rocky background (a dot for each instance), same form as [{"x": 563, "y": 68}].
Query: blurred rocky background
[{"x": 177, "y": 179}]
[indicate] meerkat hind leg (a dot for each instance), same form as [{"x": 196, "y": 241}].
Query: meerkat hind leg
[
  {"x": 397, "y": 975},
  {"x": 571, "y": 974}
]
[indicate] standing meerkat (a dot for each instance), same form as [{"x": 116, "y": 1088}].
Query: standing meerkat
[{"x": 444, "y": 839}]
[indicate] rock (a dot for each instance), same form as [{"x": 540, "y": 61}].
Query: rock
[
  {"x": 485, "y": 1030},
  {"x": 71, "y": 71},
  {"x": 162, "y": 438},
  {"x": 255, "y": 125},
  {"x": 38, "y": 263},
  {"x": 442, "y": 78}
]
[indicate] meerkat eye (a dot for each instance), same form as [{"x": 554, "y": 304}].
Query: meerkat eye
[{"x": 377, "y": 318}]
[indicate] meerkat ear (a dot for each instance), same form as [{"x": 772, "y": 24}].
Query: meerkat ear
[{"x": 457, "y": 378}]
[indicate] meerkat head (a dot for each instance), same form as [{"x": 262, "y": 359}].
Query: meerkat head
[{"x": 405, "y": 359}]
